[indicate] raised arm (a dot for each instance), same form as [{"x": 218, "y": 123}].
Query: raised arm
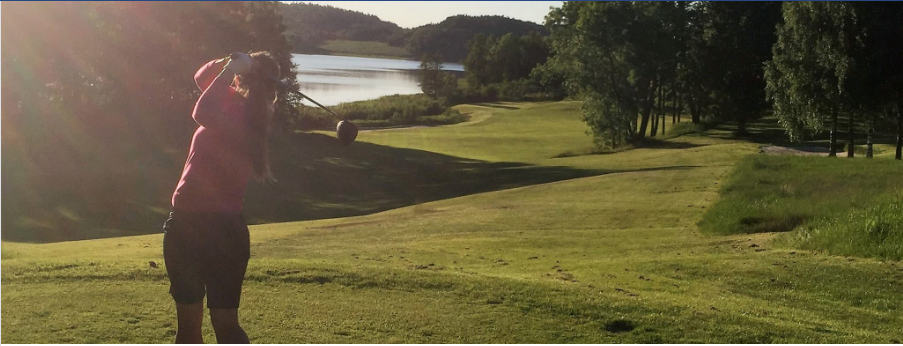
[
  {"x": 209, "y": 110},
  {"x": 205, "y": 75}
]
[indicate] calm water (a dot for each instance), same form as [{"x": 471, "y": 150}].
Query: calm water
[{"x": 331, "y": 79}]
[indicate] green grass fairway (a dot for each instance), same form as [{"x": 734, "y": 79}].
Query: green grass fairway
[{"x": 604, "y": 248}]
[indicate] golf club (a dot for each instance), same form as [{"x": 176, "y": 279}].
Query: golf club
[{"x": 345, "y": 130}]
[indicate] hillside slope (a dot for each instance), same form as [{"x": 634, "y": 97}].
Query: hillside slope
[
  {"x": 450, "y": 38},
  {"x": 308, "y": 26},
  {"x": 609, "y": 257}
]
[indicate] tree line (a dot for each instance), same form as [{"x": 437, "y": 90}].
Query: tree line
[
  {"x": 309, "y": 26},
  {"x": 812, "y": 64},
  {"x": 450, "y": 38}
]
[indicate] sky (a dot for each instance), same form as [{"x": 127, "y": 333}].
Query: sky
[{"x": 409, "y": 14}]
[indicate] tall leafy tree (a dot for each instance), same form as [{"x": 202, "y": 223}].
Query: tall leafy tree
[
  {"x": 884, "y": 52},
  {"x": 621, "y": 56},
  {"x": 824, "y": 67},
  {"x": 737, "y": 41},
  {"x": 507, "y": 58},
  {"x": 478, "y": 62},
  {"x": 433, "y": 81}
]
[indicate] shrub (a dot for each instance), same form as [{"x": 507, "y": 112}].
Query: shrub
[{"x": 384, "y": 111}]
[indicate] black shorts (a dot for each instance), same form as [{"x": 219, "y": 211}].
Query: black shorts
[{"x": 206, "y": 252}]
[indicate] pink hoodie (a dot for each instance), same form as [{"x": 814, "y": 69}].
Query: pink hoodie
[{"x": 218, "y": 167}]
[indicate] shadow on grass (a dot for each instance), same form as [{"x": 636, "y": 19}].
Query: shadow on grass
[
  {"x": 496, "y": 105},
  {"x": 654, "y": 143},
  {"x": 646, "y": 143},
  {"x": 767, "y": 131},
  {"x": 318, "y": 178},
  {"x": 321, "y": 179}
]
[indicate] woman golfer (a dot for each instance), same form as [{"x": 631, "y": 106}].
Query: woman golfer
[{"x": 205, "y": 243}]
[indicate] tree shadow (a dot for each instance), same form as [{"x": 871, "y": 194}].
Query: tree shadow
[
  {"x": 655, "y": 143},
  {"x": 767, "y": 131},
  {"x": 496, "y": 105},
  {"x": 320, "y": 178},
  {"x": 645, "y": 143}
]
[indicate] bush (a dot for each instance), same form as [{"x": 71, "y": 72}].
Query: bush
[
  {"x": 686, "y": 128},
  {"x": 450, "y": 116},
  {"x": 384, "y": 111},
  {"x": 516, "y": 90}
]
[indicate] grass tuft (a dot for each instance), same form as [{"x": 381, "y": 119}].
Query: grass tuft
[
  {"x": 843, "y": 206},
  {"x": 872, "y": 232}
]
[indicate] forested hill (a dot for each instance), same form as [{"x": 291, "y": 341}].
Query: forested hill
[
  {"x": 307, "y": 26},
  {"x": 450, "y": 37}
]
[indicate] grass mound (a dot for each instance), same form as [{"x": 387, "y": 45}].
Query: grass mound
[
  {"x": 873, "y": 232},
  {"x": 781, "y": 193}
]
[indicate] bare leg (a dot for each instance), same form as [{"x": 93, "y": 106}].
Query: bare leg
[
  {"x": 190, "y": 317},
  {"x": 225, "y": 324}
]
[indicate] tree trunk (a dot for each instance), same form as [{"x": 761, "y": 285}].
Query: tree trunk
[
  {"x": 694, "y": 112},
  {"x": 868, "y": 138},
  {"x": 850, "y": 146},
  {"x": 899, "y": 154},
  {"x": 647, "y": 111},
  {"x": 833, "y": 141},
  {"x": 650, "y": 109},
  {"x": 663, "y": 122},
  {"x": 653, "y": 128},
  {"x": 661, "y": 103},
  {"x": 644, "y": 123}
]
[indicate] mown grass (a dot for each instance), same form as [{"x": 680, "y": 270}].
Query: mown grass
[
  {"x": 364, "y": 49},
  {"x": 841, "y": 202},
  {"x": 611, "y": 256}
]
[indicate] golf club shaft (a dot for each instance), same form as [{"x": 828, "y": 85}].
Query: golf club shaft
[{"x": 318, "y": 104}]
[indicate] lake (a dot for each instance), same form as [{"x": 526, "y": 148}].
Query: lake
[{"x": 332, "y": 79}]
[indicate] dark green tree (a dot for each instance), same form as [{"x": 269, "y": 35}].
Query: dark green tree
[
  {"x": 450, "y": 38},
  {"x": 508, "y": 58},
  {"x": 478, "y": 62},
  {"x": 620, "y": 57},
  {"x": 820, "y": 69},
  {"x": 434, "y": 81},
  {"x": 737, "y": 40}
]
